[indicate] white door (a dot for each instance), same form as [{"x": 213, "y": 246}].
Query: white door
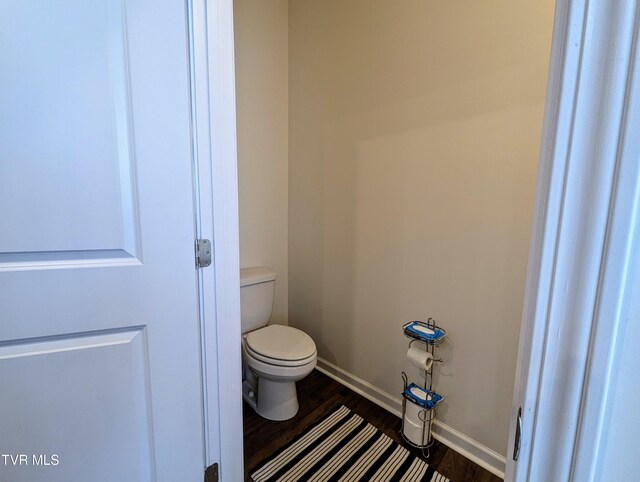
[
  {"x": 581, "y": 283},
  {"x": 100, "y": 376}
]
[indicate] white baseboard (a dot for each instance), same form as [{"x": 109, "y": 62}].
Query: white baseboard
[
  {"x": 379, "y": 397},
  {"x": 476, "y": 452},
  {"x": 461, "y": 443}
]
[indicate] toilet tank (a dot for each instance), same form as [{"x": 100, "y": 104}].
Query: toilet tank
[{"x": 257, "y": 286}]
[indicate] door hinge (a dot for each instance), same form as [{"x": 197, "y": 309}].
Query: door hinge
[
  {"x": 516, "y": 443},
  {"x": 211, "y": 473},
  {"x": 203, "y": 253}
]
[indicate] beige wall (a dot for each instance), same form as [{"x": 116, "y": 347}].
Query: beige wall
[
  {"x": 413, "y": 142},
  {"x": 261, "y": 44}
]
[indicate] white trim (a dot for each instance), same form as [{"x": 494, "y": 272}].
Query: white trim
[
  {"x": 612, "y": 310},
  {"x": 579, "y": 244},
  {"x": 461, "y": 443},
  {"x": 476, "y": 452},
  {"x": 379, "y": 397},
  {"x": 215, "y": 131},
  {"x": 202, "y": 196},
  {"x": 222, "y": 107}
]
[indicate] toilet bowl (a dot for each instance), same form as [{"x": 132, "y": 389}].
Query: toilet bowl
[
  {"x": 277, "y": 356},
  {"x": 274, "y": 356}
]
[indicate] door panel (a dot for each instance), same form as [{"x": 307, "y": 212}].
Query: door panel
[
  {"x": 46, "y": 419},
  {"x": 67, "y": 126},
  {"x": 99, "y": 361}
]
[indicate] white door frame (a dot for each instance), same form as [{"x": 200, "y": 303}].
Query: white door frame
[
  {"x": 214, "y": 131},
  {"x": 582, "y": 240}
]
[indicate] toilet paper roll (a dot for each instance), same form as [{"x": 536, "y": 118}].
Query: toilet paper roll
[
  {"x": 415, "y": 432},
  {"x": 415, "y": 413},
  {"x": 419, "y": 357}
]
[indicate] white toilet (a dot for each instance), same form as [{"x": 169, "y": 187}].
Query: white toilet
[{"x": 274, "y": 356}]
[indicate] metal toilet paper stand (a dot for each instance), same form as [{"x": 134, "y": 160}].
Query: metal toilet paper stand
[{"x": 418, "y": 413}]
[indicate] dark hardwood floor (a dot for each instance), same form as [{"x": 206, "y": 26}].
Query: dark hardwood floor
[{"x": 318, "y": 394}]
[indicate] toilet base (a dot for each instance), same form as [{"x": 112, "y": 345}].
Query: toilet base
[
  {"x": 277, "y": 400},
  {"x": 271, "y": 389},
  {"x": 271, "y": 399}
]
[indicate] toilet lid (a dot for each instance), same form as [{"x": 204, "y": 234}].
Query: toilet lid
[{"x": 281, "y": 343}]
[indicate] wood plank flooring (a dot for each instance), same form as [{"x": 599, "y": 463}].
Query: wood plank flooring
[{"x": 317, "y": 395}]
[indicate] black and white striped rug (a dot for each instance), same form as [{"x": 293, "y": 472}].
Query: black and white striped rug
[{"x": 344, "y": 447}]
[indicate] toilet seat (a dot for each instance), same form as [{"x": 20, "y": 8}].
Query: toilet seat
[
  {"x": 280, "y": 346},
  {"x": 278, "y": 362}
]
